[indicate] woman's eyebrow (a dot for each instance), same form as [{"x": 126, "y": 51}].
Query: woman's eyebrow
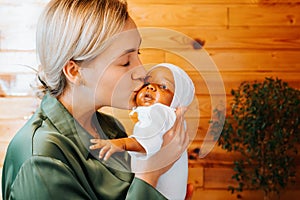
[
  {"x": 128, "y": 51},
  {"x": 132, "y": 49}
]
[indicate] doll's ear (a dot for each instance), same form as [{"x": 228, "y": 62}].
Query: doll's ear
[{"x": 72, "y": 72}]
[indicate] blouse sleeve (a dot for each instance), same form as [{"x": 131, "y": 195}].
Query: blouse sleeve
[
  {"x": 46, "y": 178},
  {"x": 142, "y": 190}
]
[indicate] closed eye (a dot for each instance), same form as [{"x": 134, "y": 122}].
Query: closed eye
[{"x": 127, "y": 64}]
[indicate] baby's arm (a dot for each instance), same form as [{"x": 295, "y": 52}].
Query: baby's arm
[{"x": 109, "y": 147}]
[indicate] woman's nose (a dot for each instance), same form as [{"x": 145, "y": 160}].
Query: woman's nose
[
  {"x": 139, "y": 74},
  {"x": 151, "y": 87}
]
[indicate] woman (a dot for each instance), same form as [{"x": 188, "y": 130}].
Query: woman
[{"x": 88, "y": 52}]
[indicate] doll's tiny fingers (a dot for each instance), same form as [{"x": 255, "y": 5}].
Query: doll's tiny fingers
[
  {"x": 93, "y": 140},
  {"x": 96, "y": 146}
]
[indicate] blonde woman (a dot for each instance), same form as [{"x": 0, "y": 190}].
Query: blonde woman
[{"x": 88, "y": 53}]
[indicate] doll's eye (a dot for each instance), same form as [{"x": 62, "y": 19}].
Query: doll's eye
[{"x": 163, "y": 87}]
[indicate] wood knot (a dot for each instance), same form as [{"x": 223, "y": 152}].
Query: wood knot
[{"x": 198, "y": 43}]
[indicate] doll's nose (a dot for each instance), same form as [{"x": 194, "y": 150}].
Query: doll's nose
[{"x": 151, "y": 87}]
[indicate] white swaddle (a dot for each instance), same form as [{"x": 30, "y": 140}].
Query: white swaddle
[{"x": 154, "y": 122}]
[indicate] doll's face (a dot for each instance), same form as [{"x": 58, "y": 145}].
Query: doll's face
[{"x": 160, "y": 88}]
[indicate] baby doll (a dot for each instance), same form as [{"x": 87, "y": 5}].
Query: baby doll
[{"x": 168, "y": 88}]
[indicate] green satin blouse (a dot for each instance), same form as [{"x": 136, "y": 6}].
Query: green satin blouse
[{"x": 49, "y": 159}]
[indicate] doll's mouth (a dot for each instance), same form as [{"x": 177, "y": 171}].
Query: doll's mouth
[{"x": 147, "y": 97}]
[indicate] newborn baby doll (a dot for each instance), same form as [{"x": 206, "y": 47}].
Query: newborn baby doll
[{"x": 168, "y": 88}]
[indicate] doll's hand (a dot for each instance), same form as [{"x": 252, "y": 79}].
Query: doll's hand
[{"x": 108, "y": 147}]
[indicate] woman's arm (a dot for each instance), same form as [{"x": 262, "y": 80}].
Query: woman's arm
[{"x": 109, "y": 147}]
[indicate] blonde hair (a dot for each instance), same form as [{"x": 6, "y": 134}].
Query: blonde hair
[{"x": 74, "y": 30}]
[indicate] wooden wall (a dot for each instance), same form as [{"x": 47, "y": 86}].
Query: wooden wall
[{"x": 246, "y": 39}]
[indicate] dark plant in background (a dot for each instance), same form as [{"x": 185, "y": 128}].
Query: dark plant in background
[{"x": 264, "y": 127}]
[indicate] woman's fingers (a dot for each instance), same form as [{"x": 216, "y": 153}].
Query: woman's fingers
[
  {"x": 189, "y": 191},
  {"x": 177, "y": 131}
]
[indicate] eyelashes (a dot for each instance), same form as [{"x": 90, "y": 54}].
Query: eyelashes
[
  {"x": 128, "y": 63},
  {"x": 163, "y": 87}
]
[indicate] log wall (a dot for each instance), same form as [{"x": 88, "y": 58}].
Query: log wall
[{"x": 245, "y": 40}]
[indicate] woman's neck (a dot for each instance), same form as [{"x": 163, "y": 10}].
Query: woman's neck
[{"x": 81, "y": 110}]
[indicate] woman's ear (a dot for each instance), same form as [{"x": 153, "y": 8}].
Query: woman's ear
[{"x": 72, "y": 72}]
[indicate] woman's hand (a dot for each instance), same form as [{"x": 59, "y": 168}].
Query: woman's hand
[
  {"x": 189, "y": 191},
  {"x": 175, "y": 143},
  {"x": 177, "y": 134}
]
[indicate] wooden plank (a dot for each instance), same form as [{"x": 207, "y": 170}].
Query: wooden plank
[
  {"x": 256, "y": 15},
  {"x": 174, "y": 15},
  {"x": 247, "y": 60},
  {"x": 245, "y": 195},
  {"x": 211, "y": 155},
  {"x": 214, "y": 37},
  {"x": 3, "y": 148},
  {"x": 254, "y": 38},
  {"x": 17, "y": 107},
  {"x": 218, "y": 178},
  {"x": 195, "y": 177},
  {"x": 16, "y": 2},
  {"x": 8, "y": 128},
  {"x": 18, "y": 83},
  {"x": 223, "y": 194},
  {"x": 232, "y": 80},
  {"x": 150, "y": 57},
  {"x": 18, "y": 28},
  {"x": 212, "y": 1},
  {"x": 15, "y": 62},
  {"x": 27, "y": 13}
]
